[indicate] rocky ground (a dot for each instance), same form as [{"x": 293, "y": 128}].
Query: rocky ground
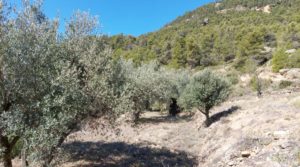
[{"x": 247, "y": 132}]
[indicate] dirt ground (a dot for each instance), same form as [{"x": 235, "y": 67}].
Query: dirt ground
[{"x": 246, "y": 131}]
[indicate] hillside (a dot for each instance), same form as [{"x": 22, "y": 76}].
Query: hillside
[
  {"x": 247, "y": 132},
  {"x": 242, "y": 34},
  {"x": 219, "y": 86}
]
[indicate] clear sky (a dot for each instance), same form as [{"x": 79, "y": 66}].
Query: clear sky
[{"x": 134, "y": 17}]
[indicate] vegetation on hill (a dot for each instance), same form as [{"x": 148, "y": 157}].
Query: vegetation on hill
[
  {"x": 244, "y": 34},
  {"x": 52, "y": 82}
]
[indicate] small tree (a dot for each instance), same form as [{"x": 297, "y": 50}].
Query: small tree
[
  {"x": 256, "y": 85},
  {"x": 205, "y": 91}
]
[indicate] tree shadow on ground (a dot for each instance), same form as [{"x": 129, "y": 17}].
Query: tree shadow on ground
[
  {"x": 216, "y": 117},
  {"x": 165, "y": 119},
  {"x": 117, "y": 154}
]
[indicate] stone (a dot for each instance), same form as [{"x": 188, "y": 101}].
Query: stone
[
  {"x": 231, "y": 163},
  {"x": 246, "y": 154},
  {"x": 245, "y": 79},
  {"x": 217, "y": 5},
  {"x": 279, "y": 134},
  {"x": 285, "y": 145},
  {"x": 240, "y": 8},
  {"x": 290, "y": 51},
  {"x": 283, "y": 71},
  {"x": 293, "y": 73},
  {"x": 240, "y": 159},
  {"x": 205, "y": 21},
  {"x": 267, "y": 9},
  {"x": 266, "y": 141},
  {"x": 267, "y": 49}
]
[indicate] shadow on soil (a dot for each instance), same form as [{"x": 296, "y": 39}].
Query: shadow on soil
[
  {"x": 216, "y": 117},
  {"x": 117, "y": 154},
  {"x": 165, "y": 119}
]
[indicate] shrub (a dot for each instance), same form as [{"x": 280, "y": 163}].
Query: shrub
[
  {"x": 245, "y": 65},
  {"x": 285, "y": 84},
  {"x": 294, "y": 60},
  {"x": 233, "y": 77},
  {"x": 279, "y": 60},
  {"x": 205, "y": 91},
  {"x": 240, "y": 90},
  {"x": 256, "y": 85}
]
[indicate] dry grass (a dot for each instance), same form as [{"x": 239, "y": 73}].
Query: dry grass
[{"x": 163, "y": 141}]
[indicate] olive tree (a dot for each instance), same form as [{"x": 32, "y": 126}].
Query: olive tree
[
  {"x": 51, "y": 82},
  {"x": 205, "y": 91},
  {"x": 29, "y": 72},
  {"x": 179, "y": 78},
  {"x": 147, "y": 83}
]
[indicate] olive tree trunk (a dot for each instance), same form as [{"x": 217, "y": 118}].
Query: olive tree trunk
[
  {"x": 7, "y": 157},
  {"x": 8, "y": 146},
  {"x": 207, "y": 117}
]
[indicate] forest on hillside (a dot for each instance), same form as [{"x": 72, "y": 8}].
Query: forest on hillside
[{"x": 244, "y": 34}]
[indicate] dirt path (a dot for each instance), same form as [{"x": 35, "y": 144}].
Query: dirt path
[{"x": 247, "y": 131}]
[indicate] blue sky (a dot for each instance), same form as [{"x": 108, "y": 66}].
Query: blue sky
[{"x": 134, "y": 17}]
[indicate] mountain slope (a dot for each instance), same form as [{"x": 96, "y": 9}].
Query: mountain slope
[
  {"x": 247, "y": 132},
  {"x": 241, "y": 33}
]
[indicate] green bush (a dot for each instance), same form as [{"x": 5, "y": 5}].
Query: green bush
[
  {"x": 245, "y": 65},
  {"x": 256, "y": 85},
  {"x": 294, "y": 60},
  {"x": 233, "y": 78},
  {"x": 283, "y": 60},
  {"x": 279, "y": 60},
  {"x": 205, "y": 91},
  {"x": 285, "y": 84}
]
